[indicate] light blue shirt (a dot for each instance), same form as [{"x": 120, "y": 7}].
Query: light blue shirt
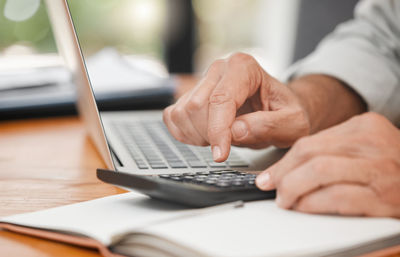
[{"x": 365, "y": 54}]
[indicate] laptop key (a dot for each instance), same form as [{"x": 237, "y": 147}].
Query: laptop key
[
  {"x": 177, "y": 165},
  {"x": 238, "y": 164},
  {"x": 197, "y": 164},
  {"x": 217, "y": 164},
  {"x": 158, "y": 166}
]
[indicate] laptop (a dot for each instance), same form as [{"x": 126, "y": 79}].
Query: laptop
[{"x": 141, "y": 155}]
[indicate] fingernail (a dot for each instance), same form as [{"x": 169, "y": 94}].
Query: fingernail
[
  {"x": 239, "y": 129},
  {"x": 216, "y": 152},
  {"x": 263, "y": 181}
]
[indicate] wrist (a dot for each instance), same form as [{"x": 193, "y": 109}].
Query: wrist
[{"x": 326, "y": 100}]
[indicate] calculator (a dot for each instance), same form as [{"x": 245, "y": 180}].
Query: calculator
[{"x": 197, "y": 189}]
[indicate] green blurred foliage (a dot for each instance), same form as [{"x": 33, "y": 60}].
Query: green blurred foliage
[
  {"x": 33, "y": 32},
  {"x": 99, "y": 23}
]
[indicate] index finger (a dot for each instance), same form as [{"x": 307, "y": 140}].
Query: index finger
[{"x": 241, "y": 80}]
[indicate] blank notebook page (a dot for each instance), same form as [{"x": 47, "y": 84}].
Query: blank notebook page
[
  {"x": 262, "y": 229},
  {"x": 101, "y": 219}
]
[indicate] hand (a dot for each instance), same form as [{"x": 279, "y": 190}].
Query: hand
[
  {"x": 349, "y": 169},
  {"x": 238, "y": 103}
]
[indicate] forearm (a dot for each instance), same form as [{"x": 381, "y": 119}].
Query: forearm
[{"x": 326, "y": 100}]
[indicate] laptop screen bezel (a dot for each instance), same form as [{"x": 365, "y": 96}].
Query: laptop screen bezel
[{"x": 68, "y": 45}]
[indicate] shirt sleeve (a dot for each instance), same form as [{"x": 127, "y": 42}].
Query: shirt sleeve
[{"x": 364, "y": 53}]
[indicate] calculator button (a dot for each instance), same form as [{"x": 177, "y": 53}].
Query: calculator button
[
  {"x": 210, "y": 181},
  {"x": 223, "y": 184},
  {"x": 227, "y": 176},
  {"x": 199, "y": 180},
  {"x": 220, "y": 172},
  {"x": 250, "y": 177},
  {"x": 202, "y": 173},
  {"x": 188, "y": 177},
  {"x": 177, "y": 178},
  {"x": 238, "y": 183},
  {"x": 251, "y": 183},
  {"x": 201, "y": 176}
]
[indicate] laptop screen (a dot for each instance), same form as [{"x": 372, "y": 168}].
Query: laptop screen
[
  {"x": 104, "y": 58},
  {"x": 122, "y": 44}
]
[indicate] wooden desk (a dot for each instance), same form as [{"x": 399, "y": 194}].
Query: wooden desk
[{"x": 46, "y": 163}]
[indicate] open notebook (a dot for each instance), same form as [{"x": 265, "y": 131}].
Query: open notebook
[{"x": 133, "y": 225}]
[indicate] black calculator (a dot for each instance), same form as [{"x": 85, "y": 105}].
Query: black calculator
[{"x": 197, "y": 189}]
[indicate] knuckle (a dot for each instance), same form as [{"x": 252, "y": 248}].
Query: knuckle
[
  {"x": 216, "y": 66},
  {"x": 248, "y": 71},
  {"x": 240, "y": 59},
  {"x": 177, "y": 113},
  {"x": 176, "y": 134},
  {"x": 220, "y": 97},
  {"x": 212, "y": 131},
  {"x": 216, "y": 133},
  {"x": 303, "y": 148},
  {"x": 318, "y": 164},
  {"x": 371, "y": 120},
  {"x": 179, "y": 138},
  {"x": 384, "y": 179},
  {"x": 194, "y": 105}
]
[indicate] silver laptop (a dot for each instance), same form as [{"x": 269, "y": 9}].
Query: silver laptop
[{"x": 137, "y": 142}]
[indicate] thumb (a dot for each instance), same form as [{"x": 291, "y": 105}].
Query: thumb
[{"x": 280, "y": 128}]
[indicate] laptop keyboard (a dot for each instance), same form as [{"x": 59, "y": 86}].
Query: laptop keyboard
[
  {"x": 219, "y": 178},
  {"x": 151, "y": 145}
]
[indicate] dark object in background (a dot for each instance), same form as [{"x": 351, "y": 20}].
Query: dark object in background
[
  {"x": 56, "y": 100},
  {"x": 180, "y": 36},
  {"x": 317, "y": 18},
  {"x": 179, "y": 55}
]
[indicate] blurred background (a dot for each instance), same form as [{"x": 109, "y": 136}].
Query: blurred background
[
  {"x": 194, "y": 33},
  {"x": 182, "y": 36}
]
